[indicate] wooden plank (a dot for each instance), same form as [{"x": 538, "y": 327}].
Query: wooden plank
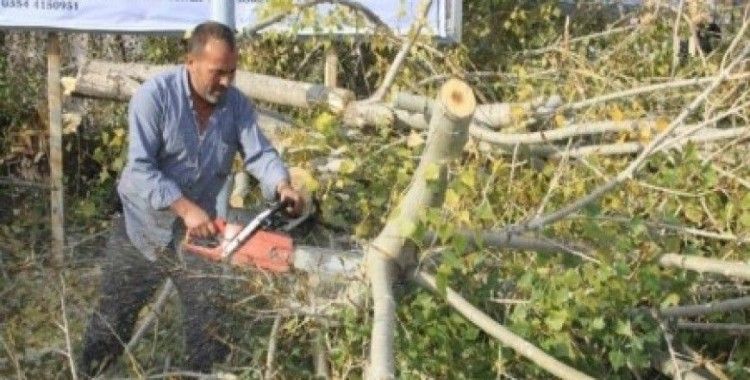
[{"x": 54, "y": 97}]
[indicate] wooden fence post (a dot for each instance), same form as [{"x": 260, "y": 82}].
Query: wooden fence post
[{"x": 54, "y": 97}]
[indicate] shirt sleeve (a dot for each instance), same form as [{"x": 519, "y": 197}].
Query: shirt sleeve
[
  {"x": 260, "y": 158},
  {"x": 145, "y": 115}
]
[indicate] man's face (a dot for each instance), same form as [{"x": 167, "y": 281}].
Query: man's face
[{"x": 212, "y": 71}]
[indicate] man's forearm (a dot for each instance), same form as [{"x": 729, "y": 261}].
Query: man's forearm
[{"x": 182, "y": 206}]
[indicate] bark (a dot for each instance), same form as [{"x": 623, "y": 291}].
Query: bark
[
  {"x": 447, "y": 136},
  {"x": 316, "y": 260},
  {"x": 110, "y": 80},
  {"x": 737, "y": 269},
  {"x": 706, "y": 308},
  {"x": 736, "y": 329},
  {"x": 499, "y": 332}
]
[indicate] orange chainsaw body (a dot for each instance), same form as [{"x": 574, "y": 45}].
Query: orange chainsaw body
[{"x": 267, "y": 250}]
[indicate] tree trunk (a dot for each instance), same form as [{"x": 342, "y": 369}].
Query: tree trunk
[
  {"x": 447, "y": 137},
  {"x": 102, "y": 79}
]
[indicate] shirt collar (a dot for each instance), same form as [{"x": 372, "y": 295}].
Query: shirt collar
[{"x": 186, "y": 91}]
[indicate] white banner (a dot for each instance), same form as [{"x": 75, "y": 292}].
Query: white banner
[{"x": 176, "y": 16}]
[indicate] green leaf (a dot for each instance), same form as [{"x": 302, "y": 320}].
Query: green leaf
[
  {"x": 407, "y": 228},
  {"x": 693, "y": 214},
  {"x": 745, "y": 219},
  {"x": 617, "y": 359},
  {"x": 556, "y": 320},
  {"x": 670, "y": 300},
  {"x": 624, "y": 328},
  {"x": 432, "y": 172},
  {"x": 597, "y": 323},
  {"x": 745, "y": 203}
]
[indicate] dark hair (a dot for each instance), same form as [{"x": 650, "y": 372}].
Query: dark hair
[{"x": 207, "y": 31}]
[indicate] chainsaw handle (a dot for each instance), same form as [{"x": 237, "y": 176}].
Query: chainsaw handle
[
  {"x": 211, "y": 253},
  {"x": 277, "y": 206}
]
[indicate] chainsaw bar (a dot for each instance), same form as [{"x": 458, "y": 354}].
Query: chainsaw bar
[{"x": 231, "y": 247}]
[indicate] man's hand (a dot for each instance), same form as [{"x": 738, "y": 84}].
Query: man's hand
[
  {"x": 196, "y": 220},
  {"x": 287, "y": 194}
]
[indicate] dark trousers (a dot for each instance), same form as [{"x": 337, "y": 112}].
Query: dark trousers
[{"x": 129, "y": 281}]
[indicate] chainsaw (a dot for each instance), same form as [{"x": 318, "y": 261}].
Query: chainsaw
[{"x": 253, "y": 245}]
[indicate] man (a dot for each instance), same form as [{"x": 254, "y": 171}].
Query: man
[{"x": 185, "y": 126}]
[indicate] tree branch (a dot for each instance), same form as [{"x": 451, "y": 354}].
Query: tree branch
[
  {"x": 148, "y": 322},
  {"x": 270, "y": 355},
  {"x": 505, "y": 336},
  {"x": 726, "y": 328},
  {"x": 633, "y": 167},
  {"x": 447, "y": 137},
  {"x": 737, "y": 269},
  {"x": 706, "y": 308},
  {"x": 354, "y": 5}
]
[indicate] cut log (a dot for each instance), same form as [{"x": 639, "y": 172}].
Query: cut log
[
  {"x": 737, "y": 269},
  {"x": 111, "y": 80},
  {"x": 494, "y": 115},
  {"x": 455, "y": 106}
]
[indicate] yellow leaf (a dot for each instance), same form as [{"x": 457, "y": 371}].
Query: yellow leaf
[
  {"x": 407, "y": 228},
  {"x": 661, "y": 125},
  {"x": 348, "y": 166},
  {"x": 432, "y": 172},
  {"x": 301, "y": 178},
  {"x": 560, "y": 120},
  {"x": 451, "y": 199},
  {"x": 644, "y": 134},
  {"x": 324, "y": 122},
  {"x": 616, "y": 114},
  {"x": 415, "y": 139}
]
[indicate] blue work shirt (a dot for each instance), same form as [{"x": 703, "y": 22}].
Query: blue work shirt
[{"x": 169, "y": 159}]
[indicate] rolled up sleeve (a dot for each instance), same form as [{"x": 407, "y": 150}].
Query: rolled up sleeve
[
  {"x": 260, "y": 158},
  {"x": 144, "y": 117}
]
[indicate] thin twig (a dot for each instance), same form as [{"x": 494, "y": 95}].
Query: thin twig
[
  {"x": 409, "y": 40},
  {"x": 680, "y": 229},
  {"x": 19, "y": 182},
  {"x": 271, "y": 354},
  {"x": 355, "y": 5},
  {"x": 633, "y": 167},
  {"x": 553, "y": 183},
  {"x": 668, "y": 339},
  {"x": 148, "y": 322},
  {"x": 587, "y": 37},
  {"x": 13, "y": 359},
  {"x": 676, "y": 38},
  {"x": 64, "y": 327},
  {"x": 647, "y": 89}
]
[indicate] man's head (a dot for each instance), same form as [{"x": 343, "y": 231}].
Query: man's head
[{"x": 211, "y": 60}]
